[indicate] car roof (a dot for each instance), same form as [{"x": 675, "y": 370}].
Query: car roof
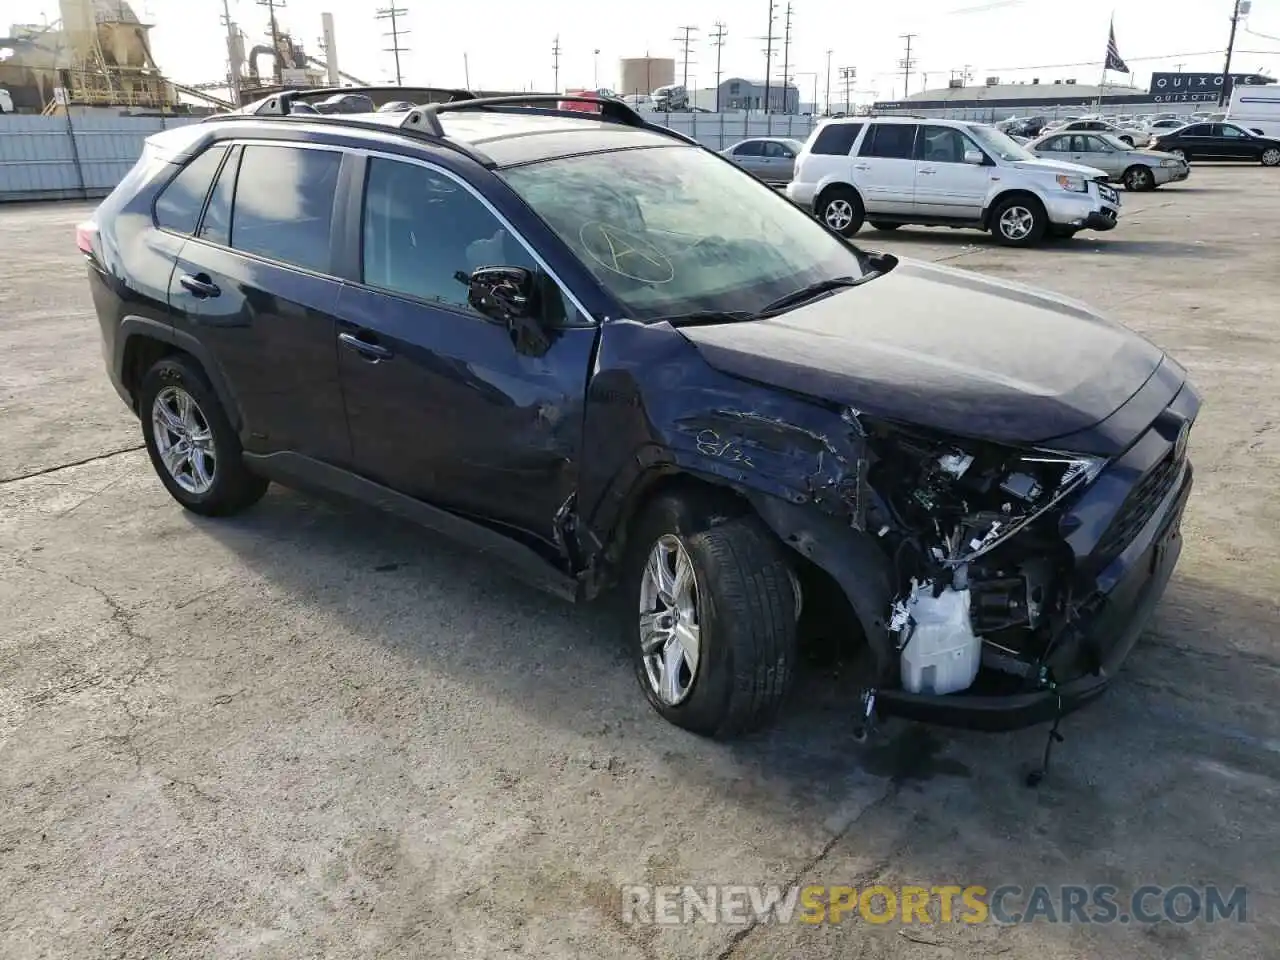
[{"x": 494, "y": 131}]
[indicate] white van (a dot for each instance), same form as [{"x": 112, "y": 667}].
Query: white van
[{"x": 1256, "y": 108}]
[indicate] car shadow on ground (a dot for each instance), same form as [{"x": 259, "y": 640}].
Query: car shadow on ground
[
  {"x": 1084, "y": 243},
  {"x": 446, "y": 610}
]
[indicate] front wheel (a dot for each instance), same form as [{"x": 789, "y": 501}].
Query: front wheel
[
  {"x": 715, "y": 620},
  {"x": 1019, "y": 222},
  {"x": 1139, "y": 178},
  {"x": 841, "y": 210},
  {"x": 1271, "y": 157}
]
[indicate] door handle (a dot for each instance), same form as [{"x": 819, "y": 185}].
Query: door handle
[
  {"x": 926, "y": 173},
  {"x": 861, "y": 166},
  {"x": 200, "y": 285},
  {"x": 370, "y": 351}
]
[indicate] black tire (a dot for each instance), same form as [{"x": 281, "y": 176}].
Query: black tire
[
  {"x": 746, "y": 607},
  {"x": 882, "y": 225},
  {"x": 1139, "y": 178},
  {"x": 233, "y": 487},
  {"x": 1029, "y": 206},
  {"x": 837, "y": 203},
  {"x": 1271, "y": 157}
]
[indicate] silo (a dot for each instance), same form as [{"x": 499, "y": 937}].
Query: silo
[{"x": 645, "y": 74}]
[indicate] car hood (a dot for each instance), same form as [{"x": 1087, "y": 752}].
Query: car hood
[
  {"x": 944, "y": 349},
  {"x": 1041, "y": 165}
]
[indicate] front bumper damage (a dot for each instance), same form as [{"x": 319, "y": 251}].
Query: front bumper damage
[{"x": 1109, "y": 549}]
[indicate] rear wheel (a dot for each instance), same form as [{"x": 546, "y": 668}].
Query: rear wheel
[
  {"x": 716, "y": 606},
  {"x": 882, "y": 225},
  {"x": 1271, "y": 157},
  {"x": 1139, "y": 177},
  {"x": 1019, "y": 222},
  {"x": 841, "y": 210},
  {"x": 192, "y": 445}
]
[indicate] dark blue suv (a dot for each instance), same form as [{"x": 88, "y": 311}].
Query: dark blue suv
[{"x": 605, "y": 357}]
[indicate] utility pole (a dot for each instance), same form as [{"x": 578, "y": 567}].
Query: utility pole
[
  {"x": 848, "y": 75},
  {"x": 394, "y": 13},
  {"x": 829, "y": 52},
  {"x": 233, "y": 53},
  {"x": 768, "y": 53},
  {"x": 275, "y": 36},
  {"x": 684, "y": 43},
  {"x": 555, "y": 61},
  {"x": 907, "y": 65},
  {"x": 717, "y": 41},
  {"x": 1225, "y": 91},
  {"x": 786, "y": 62}
]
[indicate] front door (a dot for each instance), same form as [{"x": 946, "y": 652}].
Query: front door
[
  {"x": 443, "y": 405},
  {"x": 884, "y": 171},
  {"x": 254, "y": 287},
  {"x": 946, "y": 186},
  {"x": 1235, "y": 144},
  {"x": 749, "y": 155},
  {"x": 1092, "y": 151},
  {"x": 779, "y": 162}
]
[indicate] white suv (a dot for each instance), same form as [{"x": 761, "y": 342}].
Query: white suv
[{"x": 896, "y": 170}]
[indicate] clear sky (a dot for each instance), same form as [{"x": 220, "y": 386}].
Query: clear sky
[{"x": 508, "y": 43}]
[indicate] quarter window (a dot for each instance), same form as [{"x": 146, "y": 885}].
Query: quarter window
[
  {"x": 836, "y": 139},
  {"x": 894, "y": 141},
  {"x": 424, "y": 234},
  {"x": 179, "y": 204},
  {"x": 284, "y": 204},
  {"x": 216, "y": 225}
]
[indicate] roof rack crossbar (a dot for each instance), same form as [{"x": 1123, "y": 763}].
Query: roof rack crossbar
[{"x": 610, "y": 109}]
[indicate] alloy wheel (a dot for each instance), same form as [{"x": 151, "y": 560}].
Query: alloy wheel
[
  {"x": 1271, "y": 157},
  {"x": 839, "y": 214},
  {"x": 1017, "y": 222},
  {"x": 1138, "y": 178},
  {"x": 184, "y": 440},
  {"x": 670, "y": 631}
]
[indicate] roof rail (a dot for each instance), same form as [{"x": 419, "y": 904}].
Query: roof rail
[
  {"x": 428, "y": 117},
  {"x": 280, "y": 104}
]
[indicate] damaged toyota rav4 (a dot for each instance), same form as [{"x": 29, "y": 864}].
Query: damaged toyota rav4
[{"x": 607, "y": 358}]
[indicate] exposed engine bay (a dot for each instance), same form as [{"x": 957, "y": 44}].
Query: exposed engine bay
[{"x": 984, "y": 576}]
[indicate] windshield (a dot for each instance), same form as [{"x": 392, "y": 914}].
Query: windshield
[
  {"x": 998, "y": 143},
  {"x": 1115, "y": 143},
  {"x": 671, "y": 231}
]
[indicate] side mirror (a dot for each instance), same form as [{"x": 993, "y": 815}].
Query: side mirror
[
  {"x": 1257, "y": 131},
  {"x": 513, "y": 297},
  {"x": 975, "y": 157},
  {"x": 504, "y": 294}
]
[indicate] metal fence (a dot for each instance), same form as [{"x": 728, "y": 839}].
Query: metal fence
[
  {"x": 85, "y": 156},
  {"x": 70, "y": 157}
]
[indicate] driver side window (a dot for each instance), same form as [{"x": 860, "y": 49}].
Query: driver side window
[{"x": 424, "y": 233}]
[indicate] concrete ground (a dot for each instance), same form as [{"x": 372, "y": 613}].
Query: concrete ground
[{"x": 310, "y": 732}]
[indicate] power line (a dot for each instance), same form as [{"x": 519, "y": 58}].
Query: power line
[
  {"x": 717, "y": 41},
  {"x": 684, "y": 42},
  {"x": 394, "y": 13},
  {"x": 907, "y": 64}
]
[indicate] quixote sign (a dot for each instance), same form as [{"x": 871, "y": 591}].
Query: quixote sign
[{"x": 1193, "y": 87}]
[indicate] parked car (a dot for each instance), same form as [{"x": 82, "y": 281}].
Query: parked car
[
  {"x": 1136, "y": 169},
  {"x": 1134, "y": 136},
  {"x": 952, "y": 173},
  {"x": 1219, "y": 141},
  {"x": 672, "y": 98},
  {"x": 607, "y": 358},
  {"x": 772, "y": 159},
  {"x": 641, "y": 102},
  {"x": 1168, "y": 123}
]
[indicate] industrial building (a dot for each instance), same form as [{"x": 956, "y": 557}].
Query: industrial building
[
  {"x": 640, "y": 75},
  {"x": 735, "y": 94},
  {"x": 993, "y": 100}
]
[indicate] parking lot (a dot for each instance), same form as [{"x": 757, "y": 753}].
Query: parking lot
[{"x": 309, "y": 731}]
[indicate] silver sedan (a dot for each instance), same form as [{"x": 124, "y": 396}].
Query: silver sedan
[
  {"x": 772, "y": 159},
  {"x": 1136, "y": 169}
]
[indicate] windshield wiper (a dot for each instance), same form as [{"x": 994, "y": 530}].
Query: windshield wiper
[
  {"x": 812, "y": 291},
  {"x": 706, "y": 316}
]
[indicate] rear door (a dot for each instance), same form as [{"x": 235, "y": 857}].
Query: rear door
[
  {"x": 1197, "y": 142},
  {"x": 945, "y": 185},
  {"x": 885, "y": 169},
  {"x": 255, "y": 287},
  {"x": 443, "y": 404}
]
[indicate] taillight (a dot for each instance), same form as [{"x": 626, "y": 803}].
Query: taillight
[{"x": 86, "y": 233}]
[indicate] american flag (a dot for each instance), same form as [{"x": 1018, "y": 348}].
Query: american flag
[{"x": 1113, "y": 54}]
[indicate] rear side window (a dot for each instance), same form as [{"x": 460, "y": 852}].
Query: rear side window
[
  {"x": 284, "y": 204},
  {"x": 179, "y": 204},
  {"x": 836, "y": 139},
  {"x": 890, "y": 140}
]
